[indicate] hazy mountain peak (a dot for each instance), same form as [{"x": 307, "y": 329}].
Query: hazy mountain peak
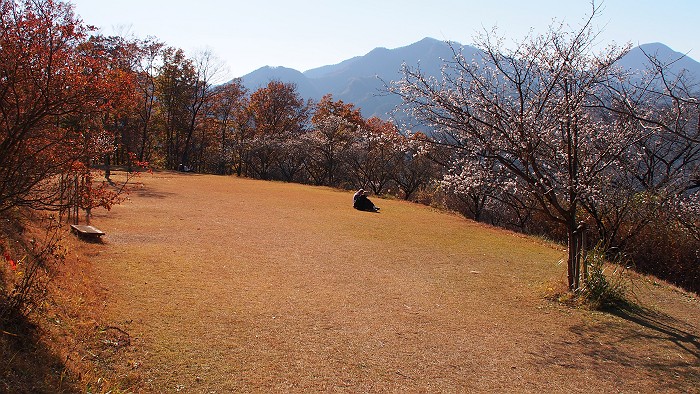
[
  {"x": 358, "y": 80},
  {"x": 637, "y": 59},
  {"x": 264, "y": 75}
]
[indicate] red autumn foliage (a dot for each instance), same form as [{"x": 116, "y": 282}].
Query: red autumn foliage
[
  {"x": 9, "y": 260},
  {"x": 54, "y": 87}
]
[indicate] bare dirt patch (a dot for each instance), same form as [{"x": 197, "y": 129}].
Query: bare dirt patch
[{"x": 228, "y": 285}]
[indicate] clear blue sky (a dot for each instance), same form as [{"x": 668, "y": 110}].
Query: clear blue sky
[{"x": 249, "y": 34}]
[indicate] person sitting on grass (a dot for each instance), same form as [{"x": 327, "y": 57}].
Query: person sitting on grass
[{"x": 362, "y": 203}]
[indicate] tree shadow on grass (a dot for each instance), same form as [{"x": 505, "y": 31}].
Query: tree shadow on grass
[
  {"x": 27, "y": 365},
  {"x": 629, "y": 345},
  {"x": 662, "y": 326},
  {"x": 144, "y": 191},
  {"x": 654, "y": 344}
]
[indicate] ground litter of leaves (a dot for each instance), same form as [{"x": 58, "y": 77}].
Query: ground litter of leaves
[{"x": 226, "y": 284}]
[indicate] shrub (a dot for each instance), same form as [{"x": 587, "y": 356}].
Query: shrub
[
  {"x": 28, "y": 256},
  {"x": 602, "y": 290}
]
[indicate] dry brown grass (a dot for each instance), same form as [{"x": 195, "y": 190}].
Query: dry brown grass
[
  {"x": 50, "y": 347},
  {"x": 230, "y": 285}
]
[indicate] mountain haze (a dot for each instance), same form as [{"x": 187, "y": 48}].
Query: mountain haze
[
  {"x": 360, "y": 80},
  {"x": 636, "y": 59}
]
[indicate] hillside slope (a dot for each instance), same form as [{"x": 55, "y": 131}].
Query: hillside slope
[{"x": 231, "y": 285}]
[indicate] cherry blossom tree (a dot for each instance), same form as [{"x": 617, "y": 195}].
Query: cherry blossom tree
[
  {"x": 533, "y": 112},
  {"x": 337, "y": 126},
  {"x": 376, "y": 155},
  {"x": 650, "y": 209},
  {"x": 415, "y": 170},
  {"x": 330, "y": 143}
]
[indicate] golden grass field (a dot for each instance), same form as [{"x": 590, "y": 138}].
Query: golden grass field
[{"x": 234, "y": 285}]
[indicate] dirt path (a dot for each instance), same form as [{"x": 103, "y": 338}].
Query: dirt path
[{"x": 234, "y": 285}]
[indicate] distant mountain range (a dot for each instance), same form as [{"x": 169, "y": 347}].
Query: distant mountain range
[{"x": 360, "y": 80}]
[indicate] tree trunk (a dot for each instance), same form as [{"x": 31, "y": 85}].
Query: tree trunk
[
  {"x": 107, "y": 166},
  {"x": 571, "y": 263}
]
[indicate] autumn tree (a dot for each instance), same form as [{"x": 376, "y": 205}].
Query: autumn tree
[
  {"x": 50, "y": 80},
  {"x": 184, "y": 88},
  {"x": 148, "y": 55},
  {"x": 328, "y": 107},
  {"x": 117, "y": 118},
  {"x": 173, "y": 86},
  {"x": 242, "y": 139},
  {"x": 227, "y": 109},
  {"x": 207, "y": 70},
  {"x": 278, "y": 114}
]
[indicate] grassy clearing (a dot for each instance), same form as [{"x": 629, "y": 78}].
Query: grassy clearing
[{"x": 227, "y": 284}]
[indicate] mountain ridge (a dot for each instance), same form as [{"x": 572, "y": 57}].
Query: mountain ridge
[{"x": 360, "y": 79}]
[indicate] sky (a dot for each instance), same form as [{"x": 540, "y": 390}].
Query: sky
[{"x": 304, "y": 34}]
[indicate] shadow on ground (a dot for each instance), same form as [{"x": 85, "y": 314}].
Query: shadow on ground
[
  {"x": 631, "y": 337},
  {"x": 149, "y": 192},
  {"x": 27, "y": 366},
  {"x": 662, "y": 327}
]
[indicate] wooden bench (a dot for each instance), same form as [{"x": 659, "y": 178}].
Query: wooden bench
[{"x": 84, "y": 231}]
